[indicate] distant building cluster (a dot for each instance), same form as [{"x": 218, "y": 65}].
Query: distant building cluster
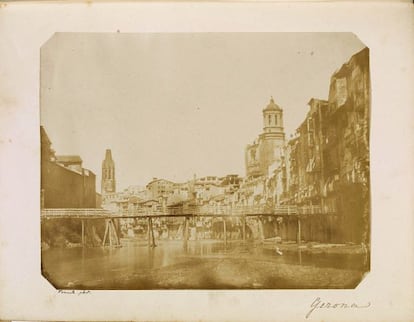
[
  {"x": 325, "y": 164},
  {"x": 160, "y": 194}
]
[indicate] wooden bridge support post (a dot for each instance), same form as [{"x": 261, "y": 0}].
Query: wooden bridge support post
[
  {"x": 151, "y": 238},
  {"x": 95, "y": 237},
  {"x": 106, "y": 232},
  {"x": 186, "y": 227},
  {"x": 244, "y": 227},
  {"x": 115, "y": 232},
  {"x": 152, "y": 234},
  {"x": 261, "y": 230},
  {"x": 83, "y": 233},
  {"x": 149, "y": 231},
  {"x": 288, "y": 230},
  {"x": 224, "y": 231},
  {"x": 117, "y": 229},
  {"x": 111, "y": 234},
  {"x": 299, "y": 233}
]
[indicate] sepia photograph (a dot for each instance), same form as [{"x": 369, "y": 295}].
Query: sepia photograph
[{"x": 205, "y": 160}]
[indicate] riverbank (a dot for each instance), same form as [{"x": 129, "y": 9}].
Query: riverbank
[
  {"x": 200, "y": 265},
  {"x": 269, "y": 244},
  {"x": 231, "y": 272}
]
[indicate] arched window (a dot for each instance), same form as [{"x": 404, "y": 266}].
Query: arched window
[{"x": 270, "y": 119}]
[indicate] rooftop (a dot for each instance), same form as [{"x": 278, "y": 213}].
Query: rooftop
[
  {"x": 68, "y": 159},
  {"x": 272, "y": 106}
]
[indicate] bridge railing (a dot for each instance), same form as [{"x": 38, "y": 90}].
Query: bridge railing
[
  {"x": 145, "y": 212},
  {"x": 75, "y": 212},
  {"x": 309, "y": 210},
  {"x": 286, "y": 210},
  {"x": 188, "y": 210},
  {"x": 259, "y": 210}
]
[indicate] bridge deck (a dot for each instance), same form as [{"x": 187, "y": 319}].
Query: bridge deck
[{"x": 95, "y": 213}]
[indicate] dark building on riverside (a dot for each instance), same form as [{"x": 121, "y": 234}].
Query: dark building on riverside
[
  {"x": 346, "y": 147},
  {"x": 306, "y": 158},
  {"x": 64, "y": 182},
  {"x": 327, "y": 162}
]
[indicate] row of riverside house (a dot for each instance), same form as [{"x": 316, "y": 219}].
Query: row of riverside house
[{"x": 325, "y": 166}]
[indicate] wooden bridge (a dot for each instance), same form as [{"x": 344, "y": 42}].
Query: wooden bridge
[
  {"x": 187, "y": 212},
  {"x": 190, "y": 211}
]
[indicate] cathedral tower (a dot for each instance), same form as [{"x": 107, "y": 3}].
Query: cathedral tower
[
  {"x": 272, "y": 139},
  {"x": 273, "y": 120},
  {"x": 108, "y": 184},
  {"x": 267, "y": 149}
]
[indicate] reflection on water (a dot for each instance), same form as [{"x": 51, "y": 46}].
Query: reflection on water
[{"x": 70, "y": 266}]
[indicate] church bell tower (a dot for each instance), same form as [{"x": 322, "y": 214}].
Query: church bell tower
[
  {"x": 273, "y": 120},
  {"x": 267, "y": 150},
  {"x": 108, "y": 183},
  {"x": 272, "y": 138}
]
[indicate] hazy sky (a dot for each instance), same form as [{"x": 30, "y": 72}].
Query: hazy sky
[{"x": 174, "y": 105}]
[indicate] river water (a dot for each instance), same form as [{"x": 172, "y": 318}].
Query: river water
[{"x": 112, "y": 268}]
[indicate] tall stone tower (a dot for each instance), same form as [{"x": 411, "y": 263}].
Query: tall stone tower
[
  {"x": 273, "y": 136},
  {"x": 108, "y": 183},
  {"x": 267, "y": 148},
  {"x": 273, "y": 120}
]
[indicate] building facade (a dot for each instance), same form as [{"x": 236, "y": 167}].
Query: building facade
[
  {"x": 160, "y": 189},
  {"x": 346, "y": 150}
]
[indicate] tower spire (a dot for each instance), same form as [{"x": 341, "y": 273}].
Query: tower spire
[{"x": 108, "y": 183}]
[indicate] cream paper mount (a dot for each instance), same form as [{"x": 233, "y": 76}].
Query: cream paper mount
[{"x": 386, "y": 28}]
